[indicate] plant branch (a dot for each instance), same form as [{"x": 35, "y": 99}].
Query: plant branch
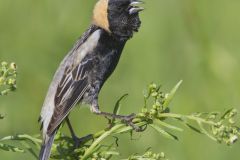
[{"x": 154, "y": 113}]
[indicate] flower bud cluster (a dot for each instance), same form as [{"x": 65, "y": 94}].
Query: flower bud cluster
[
  {"x": 157, "y": 98},
  {"x": 226, "y": 129},
  {"x": 8, "y": 74}
]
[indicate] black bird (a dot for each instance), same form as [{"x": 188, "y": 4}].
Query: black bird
[{"x": 82, "y": 73}]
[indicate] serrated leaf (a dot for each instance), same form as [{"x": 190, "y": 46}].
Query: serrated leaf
[
  {"x": 163, "y": 132},
  {"x": 170, "y": 96},
  {"x": 7, "y": 147}
]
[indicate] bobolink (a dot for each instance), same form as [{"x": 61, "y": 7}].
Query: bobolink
[{"x": 86, "y": 67}]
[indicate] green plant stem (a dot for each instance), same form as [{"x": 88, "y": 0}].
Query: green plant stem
[
  {"x": 190, "y": 117},
  {"x": 99, "y": 139},
  {"x": 205, "y": 132},
  {"x": 201, "y": 120}
]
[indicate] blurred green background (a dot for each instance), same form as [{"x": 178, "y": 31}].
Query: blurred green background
[{"x": 194, "y": 40}]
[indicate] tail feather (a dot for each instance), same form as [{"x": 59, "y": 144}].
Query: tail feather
[{"x": 45, "y": 151}]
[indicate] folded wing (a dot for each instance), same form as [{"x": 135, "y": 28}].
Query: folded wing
[{"x": 70, "y": 90}]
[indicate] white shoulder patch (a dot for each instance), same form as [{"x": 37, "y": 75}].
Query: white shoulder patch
[{"x": 88, "y": 46}]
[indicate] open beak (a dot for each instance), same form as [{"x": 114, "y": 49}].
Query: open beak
[{"x": 134, "y": 6}]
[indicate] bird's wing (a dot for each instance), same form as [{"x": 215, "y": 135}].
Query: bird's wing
[{"x": 71, "y": 88}]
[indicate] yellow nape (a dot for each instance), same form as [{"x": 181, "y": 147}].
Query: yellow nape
[{"x": 100, "y": 15}]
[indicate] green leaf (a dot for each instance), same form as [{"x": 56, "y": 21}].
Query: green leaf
[
  {"x": 167, "y": 125},
  {"x": 23, "y": 137},
  {"x": 170, "y": 96},
  {"x": 193, "y": 128},
  {"x": 128, "y": 128},
  {"x": 11, "y": 148},
  {"x": 1, "y": 116},
  {"x": 111, "y": 153},
  {"x": 163, "y": 132},
  {"x": 205, "y": 131},
  {"x": 224, "y": 116},
  {"x": 97, "y": 141},
  {"x": 118, "y": 104}
]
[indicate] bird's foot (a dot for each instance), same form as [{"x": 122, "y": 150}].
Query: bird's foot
[
  {"x": 127, "y": 119},
  {"x": 79, "y": 141}
]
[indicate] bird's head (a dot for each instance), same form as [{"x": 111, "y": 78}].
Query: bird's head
[{"x": 118, "y": 17}]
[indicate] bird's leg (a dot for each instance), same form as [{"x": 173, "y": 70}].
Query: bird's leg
[
  {"x": 124, "y": 118},
  {"x": 77, "y": 141}
]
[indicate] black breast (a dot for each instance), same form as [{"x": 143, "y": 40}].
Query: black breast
[
  {"x": 106, "y": 55},
  {"x": 104, "y": 59}
]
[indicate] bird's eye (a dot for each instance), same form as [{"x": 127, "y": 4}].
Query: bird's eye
[{"x": 121, "y": 6}]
